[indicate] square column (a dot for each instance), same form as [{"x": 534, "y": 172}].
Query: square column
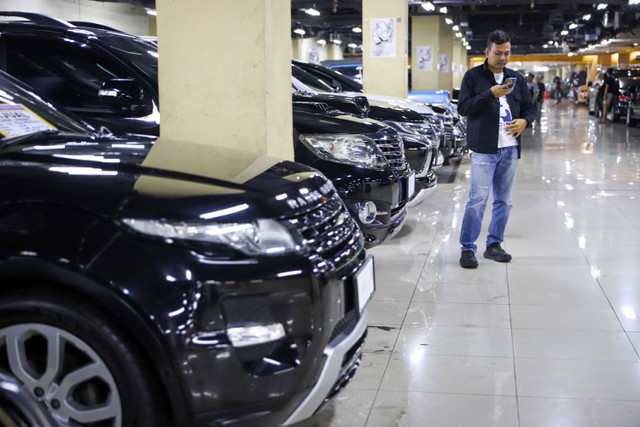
[
  {"x": 384, "y": 42},
  {"x": 225, "y": 74},
  {"x": 432, "y": 34}
]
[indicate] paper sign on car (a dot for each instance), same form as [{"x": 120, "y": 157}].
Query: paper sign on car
[{"x": 16, "y": 120}]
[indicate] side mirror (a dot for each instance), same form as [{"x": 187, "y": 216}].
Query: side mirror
[{"x": 122, "y": 94}]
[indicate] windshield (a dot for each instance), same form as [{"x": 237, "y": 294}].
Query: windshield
[
  {"x": 22, "y": 112},
  {"x": 139, "y": 52},
  {"x": 309, "y": 80}
]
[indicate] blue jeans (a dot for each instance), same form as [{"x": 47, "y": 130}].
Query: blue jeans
[
  {"x": 497, "y": 170},
  {"x": 538, "y": 108}
]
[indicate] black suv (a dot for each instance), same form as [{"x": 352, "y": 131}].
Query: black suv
[{"x": 145, "y": 286}]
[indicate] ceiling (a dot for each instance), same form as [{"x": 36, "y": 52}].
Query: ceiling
[{"x": 532, "y": 24}]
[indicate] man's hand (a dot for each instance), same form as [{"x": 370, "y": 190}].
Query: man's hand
[
  {"x": 515, "y": 127},
  {"x": 501, "y": 90}
]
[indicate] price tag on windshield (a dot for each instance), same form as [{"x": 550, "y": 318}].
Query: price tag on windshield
[{"x": 16, "y": 120}]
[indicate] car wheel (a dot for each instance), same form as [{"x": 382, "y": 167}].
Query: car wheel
[{"x": 74, "y": 361}]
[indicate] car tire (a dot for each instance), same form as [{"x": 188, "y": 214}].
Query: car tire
[
  {"x": 631, "y": 122},
  {"x": 74, "y": 361}
]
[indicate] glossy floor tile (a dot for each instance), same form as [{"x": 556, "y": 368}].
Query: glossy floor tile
[{"x": 551, "y": 338}]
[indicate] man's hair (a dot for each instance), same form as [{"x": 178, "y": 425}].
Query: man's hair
[
  {"x": 530, "y": 75},
  {"x": 497, "y": 37},
  {"x": 610, "y": 71}
]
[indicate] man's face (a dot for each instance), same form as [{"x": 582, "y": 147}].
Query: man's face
[
  {"x": 538, "y": 78},
  {"x": 498, "y": 56}
]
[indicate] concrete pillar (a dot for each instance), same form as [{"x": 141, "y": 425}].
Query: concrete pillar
[
  {"x": 624, "y": 60},
  {"x": 593, "y": 69},
  {"x": 459, "y": 64},
  {"x": 225, "y": 74},
  {"x": 431, "y": 33},
  {"x": 604, "y": 61},
  {"x": 335, "y": 51},
  {"x": 384, "y": 37}
]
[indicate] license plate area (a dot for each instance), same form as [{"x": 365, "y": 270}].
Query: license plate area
[{"x": 365, "y": 283}]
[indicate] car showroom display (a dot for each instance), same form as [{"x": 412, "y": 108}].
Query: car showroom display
[{"x": 148, "y": 286}]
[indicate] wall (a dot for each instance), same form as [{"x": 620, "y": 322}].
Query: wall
[{"x": 124, "y": 17}]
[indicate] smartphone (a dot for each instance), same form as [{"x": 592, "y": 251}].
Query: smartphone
[{"x": 510, "y": 82}]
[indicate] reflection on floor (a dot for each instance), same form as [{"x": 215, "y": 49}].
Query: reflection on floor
[{"x": 550, "y": 339}]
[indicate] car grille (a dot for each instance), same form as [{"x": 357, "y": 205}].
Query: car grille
[
  {"x": 393, "y": 149},
  {"x": 330, "y": 231}
]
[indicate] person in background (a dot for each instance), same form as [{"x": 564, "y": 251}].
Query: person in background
[
  {"x": 498, "y": 107},
  {"x": 530, "y": 85},
  {"x": 539, "y": 99},
  {"x": 610, "y": 86}
]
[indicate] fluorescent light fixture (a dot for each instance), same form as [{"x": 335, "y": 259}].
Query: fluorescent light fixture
[
  {"x": 311, "y": 11},
  {"x": 573, "y": 26},
  {"x": 152, "y": 12},
  {"x": 356, "y": 29},
  {"x": 458, "y": 34},
  {"x": 449, "y": 21},
  {"x": 635, "y": 44},
  {"x": 586, "y": 17},
  {"x": 602, "y": 6},
  {"x": 443, "y": 9},
  {"x": 540, "y": 68},
  {"x": 468, "y": 47},
  {"x": 632, "y": 2},
  {"x": 428, "y": 6},
  {"x": 570, "y": 54},
  {"x": 550, "y": 42},
  {"x": 545, "y": 46},
  {"x": 337, "y": 41},
  {"x": 352, "y": 45},
  {"x": 564, "y": 32},
  {"x": 322, "y": 42},
  {"x": 455, "y": 28},
  {"x": 300, "y": 31}
]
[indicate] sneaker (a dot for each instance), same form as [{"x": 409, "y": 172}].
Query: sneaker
[
  {"x": 496, "y": 253},
  {"x": 468, "y": 260}
]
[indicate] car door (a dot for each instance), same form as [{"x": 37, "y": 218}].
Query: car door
[{"x": 71, "y": 72}]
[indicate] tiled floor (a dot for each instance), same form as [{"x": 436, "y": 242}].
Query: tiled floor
[{"x": 550, "y": 339}]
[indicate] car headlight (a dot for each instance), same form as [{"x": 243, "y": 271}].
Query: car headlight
[
  {"x": 356, "y": 150},
  {"x": 261, "y": 237}
]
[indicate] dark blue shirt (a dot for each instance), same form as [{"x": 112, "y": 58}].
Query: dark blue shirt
[{"x": 482, "y": 109}]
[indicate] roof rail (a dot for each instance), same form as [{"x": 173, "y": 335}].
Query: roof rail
[
  {"x": 88, "y": 24},
  {"x": 38, "y": 18}
]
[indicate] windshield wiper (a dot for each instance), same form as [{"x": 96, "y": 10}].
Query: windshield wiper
[{"x": 22, "y": 139}]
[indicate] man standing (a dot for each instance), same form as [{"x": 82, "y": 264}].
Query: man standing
[
  {"x": 539, "y": 99},
  {"x": 610, "y": 86},
  {"x": 498, "y": 107}
]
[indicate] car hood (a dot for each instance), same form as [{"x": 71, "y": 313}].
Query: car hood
[
  {"x": 419, "y": 107},
  {"x": 161, "y": 179}
]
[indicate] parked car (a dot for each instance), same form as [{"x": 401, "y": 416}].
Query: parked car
[
  {"x": 628, "y": 103},
  {"x": 147, "y": 286},
  {"x": 448, "y": 144},
  {"x": 415, "y": 144},
  {"x": 364, "y": 159},
  {"x": 627, "y": 81},
  {"x": 19, "y": 408}
]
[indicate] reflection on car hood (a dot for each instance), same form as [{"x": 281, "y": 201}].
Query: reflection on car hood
[
  {"x": 416, "y": 106},
  {"x": 163, "y": 179}
]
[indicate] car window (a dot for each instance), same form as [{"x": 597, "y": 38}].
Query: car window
[{"x": 68, "y": 73}]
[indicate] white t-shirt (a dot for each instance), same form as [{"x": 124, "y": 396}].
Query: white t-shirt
[{"x": 504, "y": 140}]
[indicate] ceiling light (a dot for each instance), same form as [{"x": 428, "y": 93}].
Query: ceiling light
[
  {"x": 586, "y": 17},
  {"x": 356, "y": 29},
  {"x": 602, "y": 6},
  {"x": 322, "y": 42},
  {"x": 545, "y": 46},
  {"x": 152, "y": 12},
  {"x": 632, "y": 2},
  {"x": 311, "y": 11},
  {"x": 449, "y": 21},
  {"x": 428, "y": 6},
  {"x": 337, "y": 41},
  {"x": 464, "y": 39},
  {"x": 468, "y": 47},
  {"x": 570, "y": 54},
  {"x": 300, "y": 31},
  {"x": 458, "y": 34},
  {"x": 573, "y": 26},
  {"x": 352, "y": 45},
  {"x": 443, "y": 9},
  {"x": 635, "y": 44},
  {"x": 550, "y": 42},
  {"x": 564, "y": 32},
  {"x": 455, "y": 28}
]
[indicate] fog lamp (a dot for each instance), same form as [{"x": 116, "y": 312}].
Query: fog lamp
[
  {"x": 242, "y": 336},
  {"x": 367, "y": 212}
]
